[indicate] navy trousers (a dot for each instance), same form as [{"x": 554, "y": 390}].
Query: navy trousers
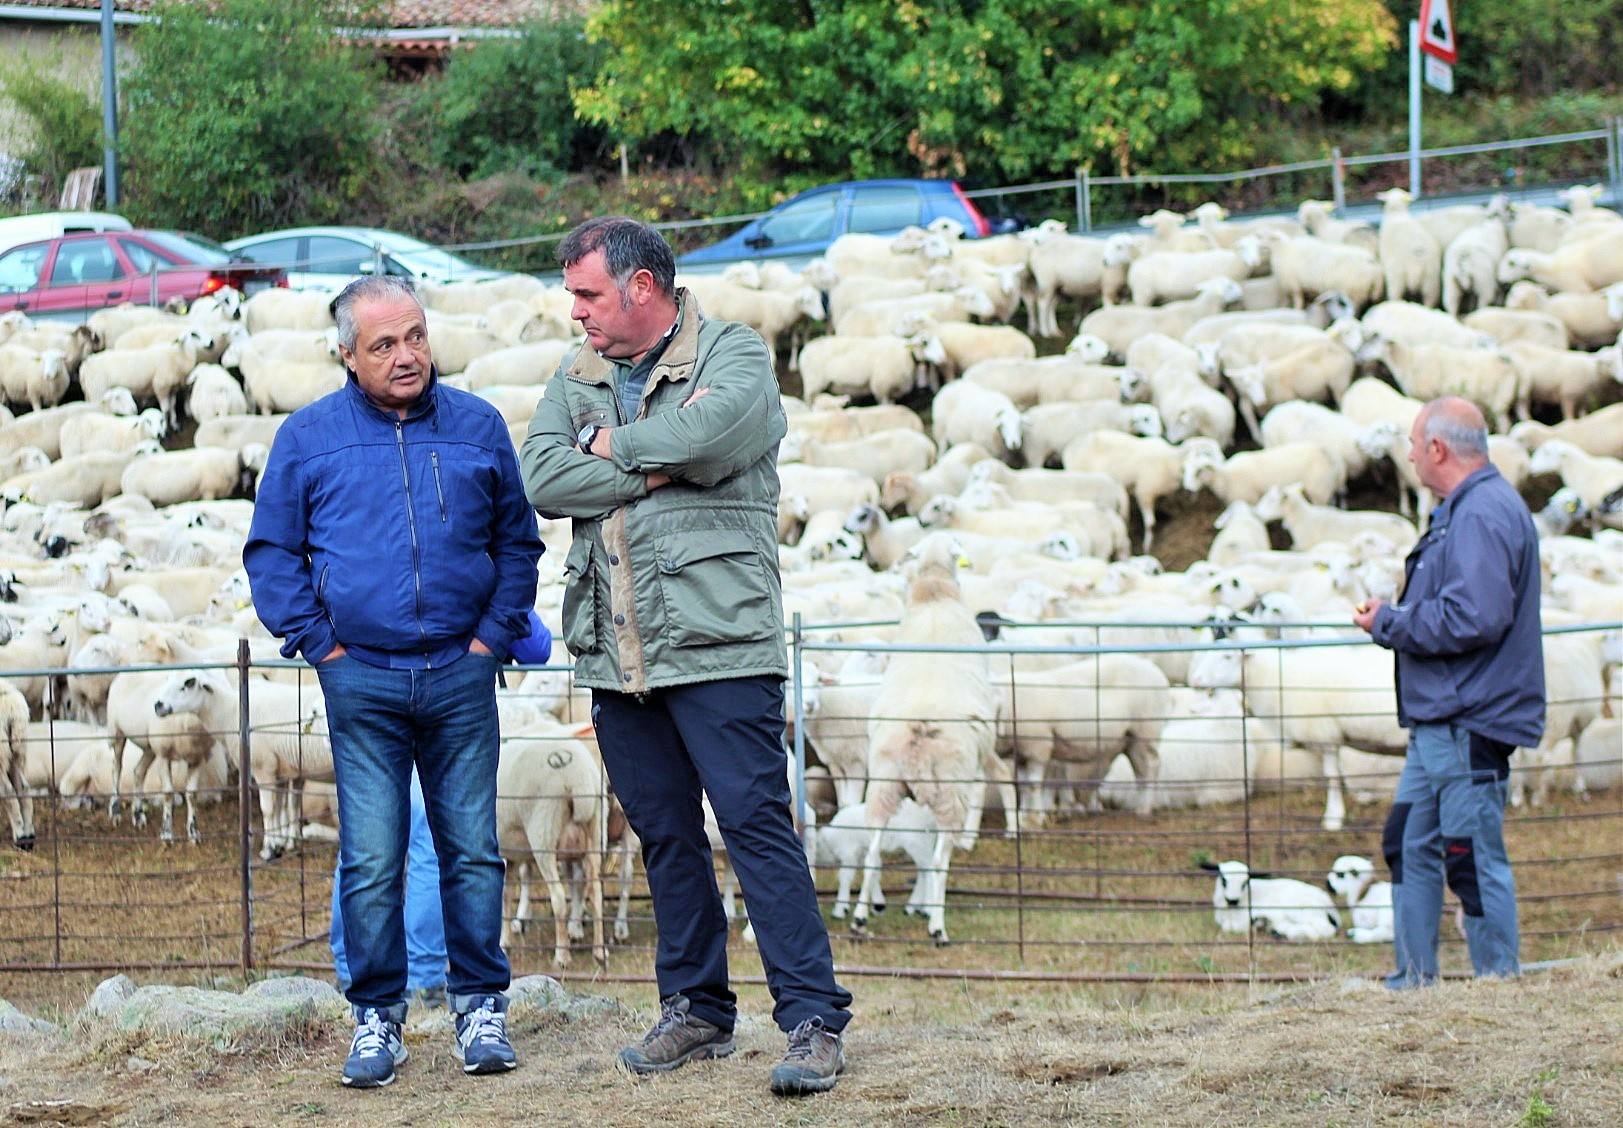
[{"x": 725, "y": 737}]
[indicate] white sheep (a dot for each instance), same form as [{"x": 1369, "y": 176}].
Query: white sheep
[
  {"x": 1552, "y": 375},
  {"x": 1411, "y": 257},
  {"x": 281, "y": 387},
  {"x": 967, "y": 412},
  {"x": 1599, "y": 433},
  {"x": 1060, "y": 263},
  {"x": 1488, "y": 379},
  {"x": 237, "y": 431},
  {"x": 1047, "y": 429},
  {"x": 1508, "y": 325},
  {"x": 1056, "y": 379},
  {"x": 1317, "y": 217},
  {"x": 86, "y": 480},
  {"x": 1280, "y": 906},
  {"x": 1592, "y": 264},
  {"x": 910, "y": 490},
  {"x": 832, "y": 421},
  {"x": 142, "y": 371},
  {"x": 93, "y": 431},
  {"x": 1310, "y": 525},
  {"x": 903, "y": 317},
  {"x": 1052, "y": 486},
  {"x": 203, "y": 473},
  {"x": 532, "y": 363},
  {"x": 1307, "y": 267},
  {"x": 1594, "y": 477},
  {"x": 1470, "y": 262},
  {"x": 1249, "y": 475},
  {"x": 1334, "y": 431},
  {"x": 1120, "y": 326},
  {"x": 842, "y": 842},
  {"x": 1416, "y": 325},
  {"x": 877, "y": 455},
  {"x": 965, "y": 345},
  {"x": 213, "y": 392},
  {"x": 1167, "y": 275},
  {"x": 1593, "y": 320},
  {"x": 39, "y": 379},
  {"x": 1369, "y": 902},
  {"x": 14, "y": 791},
  {"x": 276, "y": 308},
  {"x": 304, "y": 346},
  {"x": 1147, "y": 468},
  {"x": 885, "y": 367}
]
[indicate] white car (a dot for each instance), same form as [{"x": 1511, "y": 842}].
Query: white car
[{"x": 329, "y": 258}]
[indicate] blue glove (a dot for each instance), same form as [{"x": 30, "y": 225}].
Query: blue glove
[{"x": 535, "y": 648}]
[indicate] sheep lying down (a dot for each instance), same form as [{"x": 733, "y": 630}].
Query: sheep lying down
[{"x": 1279, "y": 906}]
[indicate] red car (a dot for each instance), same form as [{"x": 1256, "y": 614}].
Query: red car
[{"x": 70, "y": 277}]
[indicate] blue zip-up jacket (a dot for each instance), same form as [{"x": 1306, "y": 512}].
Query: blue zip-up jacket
[
  {"x": 1469, "y": 645},
  {"x": 403, "y": 539}
]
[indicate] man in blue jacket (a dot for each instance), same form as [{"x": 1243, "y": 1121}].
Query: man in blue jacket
[
  {"x": 393, "y": 547},
  {"x": 1470, "y": 682}
]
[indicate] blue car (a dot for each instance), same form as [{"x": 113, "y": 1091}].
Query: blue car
[{"x": 802, "y": 228}]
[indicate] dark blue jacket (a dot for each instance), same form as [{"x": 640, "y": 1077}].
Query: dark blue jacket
[
  {"x": 403, "y": 539},
  {"x": 1469, "y": 645}
]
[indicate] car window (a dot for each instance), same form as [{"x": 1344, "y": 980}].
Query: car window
[
  {"x": 885, "y": 209},
  {"x": 803, "y": 221},
  {"x": 189, "y": 248},
  {"x": 142, "y": 257},
  {"x": 85, "y": 260},
  {"x": 19, "y": 268},
  {"x": 329, "y": 254},
  {"x": 276, "y": 252}
]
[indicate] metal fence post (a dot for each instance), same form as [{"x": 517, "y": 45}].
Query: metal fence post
[
  {"x": 1081, "y": 218},
  {"x": 152, "y": 285},
  {"x": 244, "y": 800},
  {"x": 799, "y": 691},
  {"x": 1338, "y": 181},
  {"x": 1614, "y": 158},
  {"x": 1087, "y": 202}
]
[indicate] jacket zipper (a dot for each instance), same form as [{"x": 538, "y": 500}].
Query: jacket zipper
[
  {"x": 321, "y": 597},
  {"x": 434, "y": 457},
  {"x": 411, "y": 523}
]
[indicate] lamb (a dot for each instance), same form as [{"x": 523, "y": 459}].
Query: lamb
[
  {"x": 1470, "y": 260},
  {"x": 1147, "y": 468},
  {"x": 838, "y": 423},
  {"x": 1510, "y": 325},
  {"x": 876, "y": 455},
  {"x": 301, "y": 346},
  {"x": 1315, "y": 216},
  {"x": 39, "y": 379},
  {"x": 288, "y": 309},
  {"x": 1120, "y": 326},
  {"x": 1056, "y": 379},
  {"x": 203, "y": 473},
  {"x": 282, "y": 387},
  {"x": 966, "y": 412},
  {"x": 1320, "y": 370},
  {"x": 1280, "y": 906},
  {"x": 1416, "y": 325},
  {"x": 1166, "y": 275},
  {"x": 93, "y": 431},
  {"x": 1311, "y": 525},
  {"x": 843, "y": 842},
  {"x": 1333, "y": 431},
  {"x": 1488, "y": 379},
  {"x": 1189, "y": 407},
  {"x": 237, "y": 431},
  {"x": 886, "y": 367},
  {"x": 1594, "y": 477},
  {"x": 552, "y": 806},
  {"x": 142, "y": 371},
  {"x": 1251, "y": 474},
  {"x": 213, "y": 392},
  {"x": 1411, "y": 257},
  {"x": 823, "y": 488},
  {"x": 1592, "y": 264},
  {"x": 1169, "y": 233},
  {"x": 1598, "y": 433},
  {"x": 86, "y": 480},
  {"x": 934, "y": 732},
  {"x": 1047, "y": 429},
  {"x": 1052, "y": 486},
  {"x": 1552, "y": 375},
  {"x": 885, "y": 541},
  {"x": 911, "y": 490},
  {"x": 1592, "y": 321},
  {"x": 532, "y": 363},
  {"x": 1060, "y": 263},
  {"x": 965, "y": 345},
  {"x": 112, "y": 323},
  {"x": 14, "y": 792},
  {"x": 1307, "y": 267},
  {"x": 1318, "y": 698}
]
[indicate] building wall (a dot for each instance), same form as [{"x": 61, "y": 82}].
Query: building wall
[{"x": 70, "y": 51}]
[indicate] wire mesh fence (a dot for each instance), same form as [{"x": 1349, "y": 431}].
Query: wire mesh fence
[{"x": 1089, "y": 870}]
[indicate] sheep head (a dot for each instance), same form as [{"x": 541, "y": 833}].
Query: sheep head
[
  {"x": 118, "y": 401},
  {"x": 1130, "y": 384},
  {"x": 1144, "y": 421},
  {"x": 1517, "y": 264},
  {"x": 946, "y": 226},
  {"x": 1551, "y": 457},
  {"x": 1088, "y": 348},
  {"x": 938, "y": 512},
  {"x": 1061, "y": 546},
  {"x": 1396, "y": 201},
  {"x": 1008, "y": 426},
  {"x": 1350, "y": 874}
]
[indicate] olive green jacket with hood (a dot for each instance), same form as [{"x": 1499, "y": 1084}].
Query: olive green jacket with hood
[{"x": 679, "y": 584}]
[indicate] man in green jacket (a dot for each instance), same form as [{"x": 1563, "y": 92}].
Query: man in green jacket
[{"x": 659, "y": 438}]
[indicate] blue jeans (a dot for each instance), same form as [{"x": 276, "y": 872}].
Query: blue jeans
[
  {"x": 425, "y": 920},
  {"x": 444, "y": 721},
  {"x": 1447, "y": 823}
]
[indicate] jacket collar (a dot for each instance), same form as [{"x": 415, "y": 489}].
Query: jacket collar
[
  {"x": 427, "y": 402},
  {"x": 1445, "y": 509},
  {"x": 675, "y": 363}
]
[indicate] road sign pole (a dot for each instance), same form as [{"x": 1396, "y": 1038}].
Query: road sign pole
[
  {"x": 109, "y": 108},
  {"x": 1414, "y": 108}
]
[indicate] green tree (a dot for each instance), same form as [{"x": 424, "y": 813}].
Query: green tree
[
  {"x": 506, "y": 105},
  {"x": 996, "y": 90},
  {"x": 65, "y": 121},
  {"x": 250, "y": 114}
]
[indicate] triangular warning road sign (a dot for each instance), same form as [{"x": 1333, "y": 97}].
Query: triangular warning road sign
[{"x": 1437, "y": 30}]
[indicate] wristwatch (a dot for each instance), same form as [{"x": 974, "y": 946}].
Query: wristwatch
[{"x": 587, "y": 436}]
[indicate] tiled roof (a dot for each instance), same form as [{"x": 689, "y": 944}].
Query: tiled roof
[{"x": 407, "y": 13}]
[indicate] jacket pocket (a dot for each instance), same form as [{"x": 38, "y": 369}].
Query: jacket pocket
[
  {"x": 714, "y": 587},
  {"x": 580, "y": 598}
]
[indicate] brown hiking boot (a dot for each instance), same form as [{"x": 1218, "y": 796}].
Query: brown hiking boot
[
  {"x": 812, "y": 1064},
  {"x": 676, "y": 1039}
]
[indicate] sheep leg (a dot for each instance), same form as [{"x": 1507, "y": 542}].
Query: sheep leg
[
  {"x": 848, "y": 790},
  {"x": 1146, "y": 510},
  {"x": 842, "y": 892},
  {"x": 1248, "y": 412},
  {"x": 1146, "y": 765},
  {"x": 971, "y": 833},
  {"x": 166, "y": 834},
  {"x": 1335, "y": 807},
  {"x": 546, "y": 862},
  {"x": 193, "y": 834},
  {"x": 882, "y": 798},
  {"x": 936, "y": 906},
  {"x": 628, "y": 852},
  {"x": 594, "y": 891},
  {"x": 138, "y": 798},
  {"x": 521, "y": 912},
  {"x": 14, "y": 794},
  {"x": 1001, "y": 774},
  {"x": 577, "y": 901},
  {"x": 269, "y": 849}
]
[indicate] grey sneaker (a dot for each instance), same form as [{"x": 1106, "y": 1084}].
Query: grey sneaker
[
  {"x": 676, "y": 1039},
  {"x": 482, "y": 1045},
  {"x": 375, "y": 1051},
  {"x": 812, "y": 1064}
]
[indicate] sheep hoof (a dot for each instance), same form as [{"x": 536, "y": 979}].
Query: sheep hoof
[
  {"x": 622, "y": 931},
  {"x": 840, "y": 912},
  {"x": 940, "y": 937},
  {"x": 859, "y": 929},
  {"x": 25, "y": 843},
  {"x": 601, "y": 955},
  {"x": 577, "y": 931},
  {"x": 561, "y": 958},
  {"x": 880, "y": 906}
]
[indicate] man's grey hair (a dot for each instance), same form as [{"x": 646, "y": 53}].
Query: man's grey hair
[
  {"x": 628, "y": 245},
  {"x": 1464, "y": 440},
  {"x": 383, "y": 287}
]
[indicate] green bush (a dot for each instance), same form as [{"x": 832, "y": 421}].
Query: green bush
[
  {"x": 246, "y": 114},
  {"x": 66, "y": 121},
  {"x": 505, "y": 105}
]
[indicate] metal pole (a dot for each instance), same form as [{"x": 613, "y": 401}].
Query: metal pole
[
  {"x": 800, "y": 739},
  {"x": 1414, "y": 108},
  {"x": 1087, "y": 202},
  {"x": 109, "y": 108},
  {"x": 244, "y": 799},
  {"x": 1338, "y": 182},
  {"x": 1614, "y": 158},
  {"x": 1081, "y": 218}
]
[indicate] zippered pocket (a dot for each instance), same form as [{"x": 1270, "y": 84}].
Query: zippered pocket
[
  {"x": 321, "y": 595},
  {"x": 439, "y": 490}
]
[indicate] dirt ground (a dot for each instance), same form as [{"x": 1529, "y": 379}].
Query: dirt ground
[{"x": 1539, "y": 1051}]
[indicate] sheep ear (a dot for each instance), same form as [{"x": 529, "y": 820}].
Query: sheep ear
[
  {"x": 1209, "y": 866},
  {"x": 1262, "y": 873}
]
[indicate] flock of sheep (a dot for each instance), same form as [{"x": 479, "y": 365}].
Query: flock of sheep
[{"x": 1276, "y": 363}]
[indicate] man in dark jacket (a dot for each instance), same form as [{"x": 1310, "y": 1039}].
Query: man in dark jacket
[
  {"x": 392, "y": 546},
  {"x": 659, "y": 437},
  {"x": 1470, "y": 682}
]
